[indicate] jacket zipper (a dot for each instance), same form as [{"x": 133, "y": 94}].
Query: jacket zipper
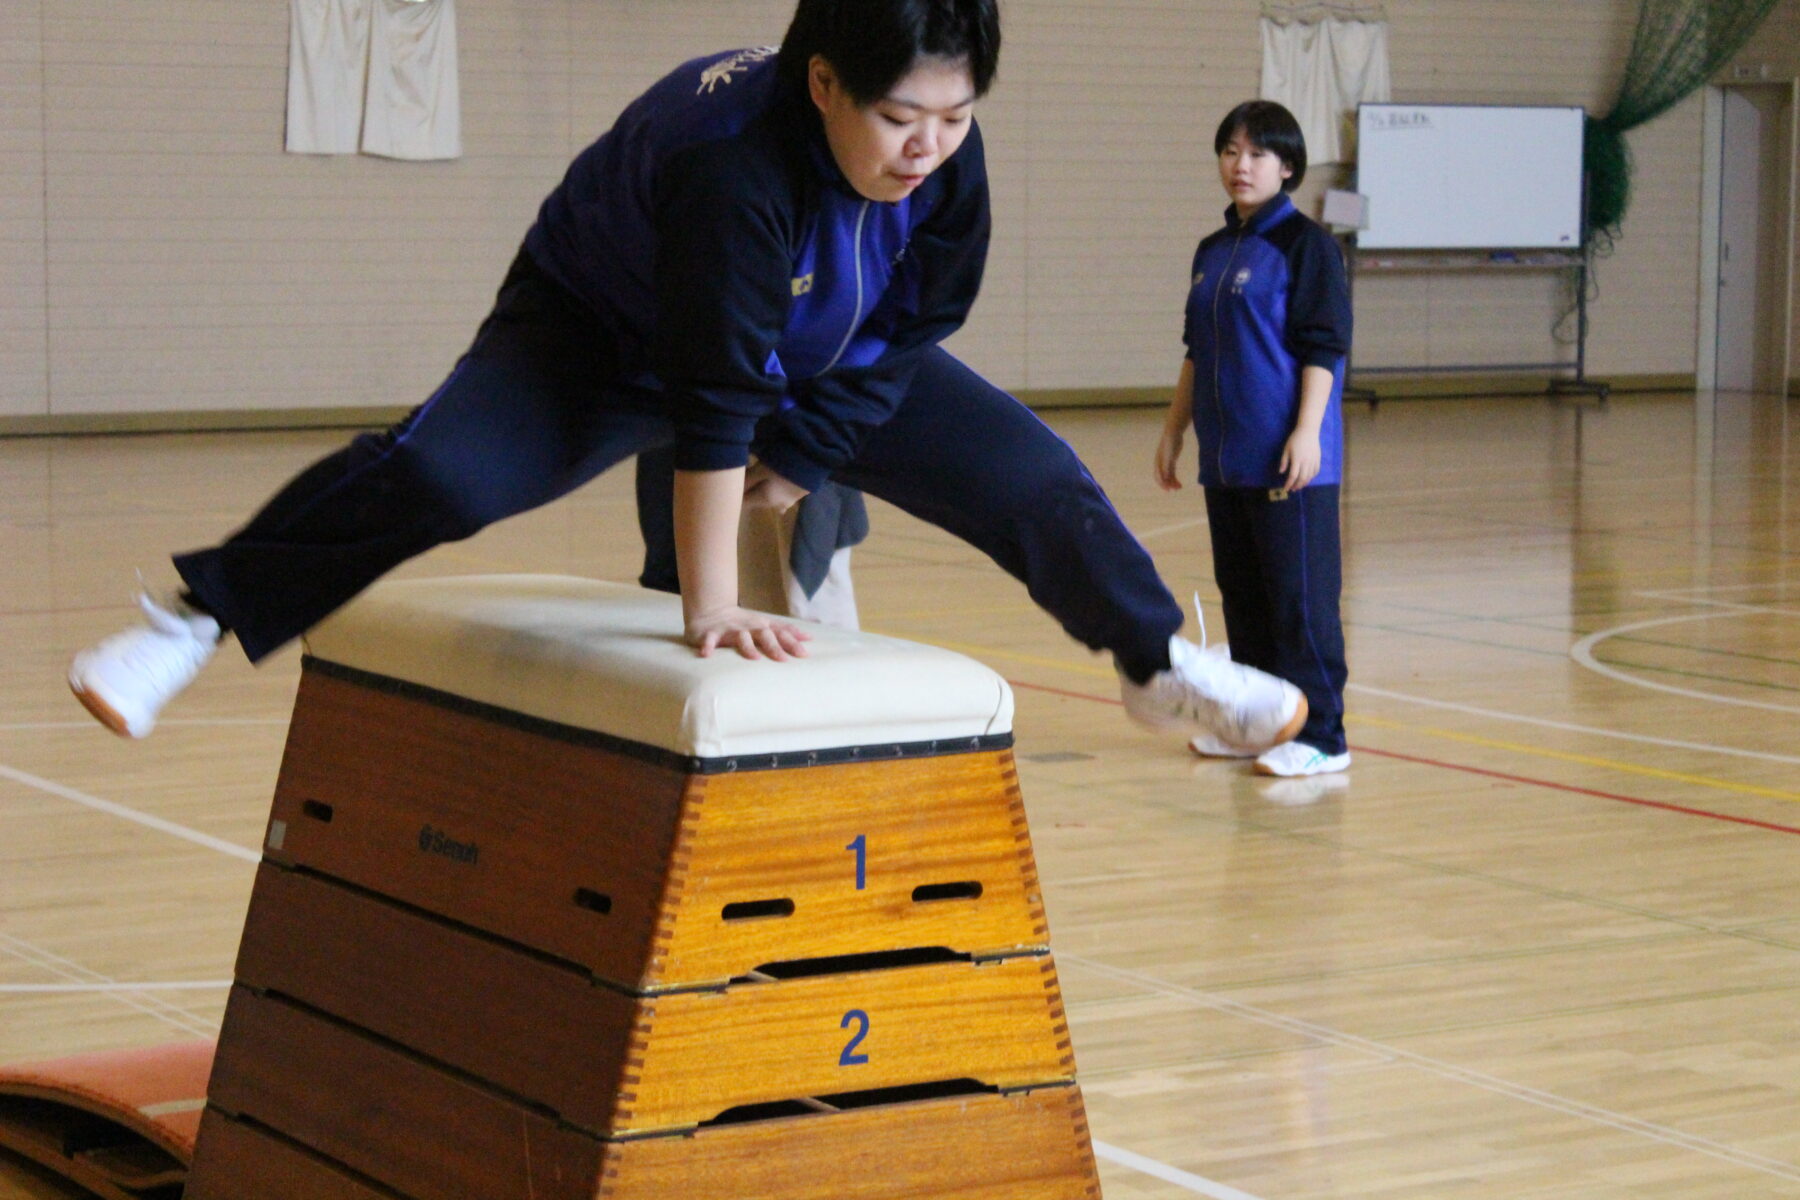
[
  {"x": 1218, "y": 400},
  {"x": 856, "y": 318}
]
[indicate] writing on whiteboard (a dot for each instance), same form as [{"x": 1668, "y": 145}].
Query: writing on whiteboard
[{"x": 1384, "y": 120}]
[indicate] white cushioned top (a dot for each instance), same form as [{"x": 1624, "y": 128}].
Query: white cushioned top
[{"x": 609, "y": 657}]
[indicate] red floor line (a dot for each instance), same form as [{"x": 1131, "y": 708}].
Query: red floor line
[
  {"x": 1568, "y": 787},
  {"x": 1038, "y": 687},
  {"x": 1525, "y": 779}
]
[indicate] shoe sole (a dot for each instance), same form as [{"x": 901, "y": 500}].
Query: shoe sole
[
  {"x": 1265, "y": 771},
  {"x": 1273, "y": 774},
  {"x": 101, "y": 710},
  {"x": 1229, "y": 756},
  {"x": 1286, "y": 733}
]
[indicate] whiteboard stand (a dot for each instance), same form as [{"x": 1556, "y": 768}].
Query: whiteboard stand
[
  {"x": 1561, "y": 386},
  {"x": 1580, "y": 387}
]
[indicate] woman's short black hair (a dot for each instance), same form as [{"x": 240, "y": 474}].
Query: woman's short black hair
[
  {"x": 872, "y": 44},
  {"x": 1269, "y": 127}
]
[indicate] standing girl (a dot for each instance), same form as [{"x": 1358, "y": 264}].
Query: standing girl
[{"x": 1268, "y": 333}]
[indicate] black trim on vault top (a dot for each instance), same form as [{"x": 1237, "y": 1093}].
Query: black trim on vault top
[{"x": 685, "y": 763}]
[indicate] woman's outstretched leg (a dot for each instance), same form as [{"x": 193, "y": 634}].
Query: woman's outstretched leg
[
  {"x": 504, "y": 434},
  {"x": 967, "y": 457}
]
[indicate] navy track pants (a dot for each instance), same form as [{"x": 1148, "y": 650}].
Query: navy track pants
[
  {"x": 536, "y": 408},
  {"x": 1280, "y": 573}
]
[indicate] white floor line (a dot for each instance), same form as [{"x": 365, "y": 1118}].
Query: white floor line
[
  {"x": 131, "y": 814},
  {"x": 125, "y": 994},
  {"x": 1734, "y": 605},
  {"x": 1583, "y": 653},
  {"x": 191, "y": 985},
  {"x": 191, "y": 723},
  {"x": 1698, "y": 593},
  {"x": 1516, "y": 1091},
  {"x": 1175, "y": 528},
  {"x": 1181, "y": 1179},
  {"x": 1571, "y": 727}
]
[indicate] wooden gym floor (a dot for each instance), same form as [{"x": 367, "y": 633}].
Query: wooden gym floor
[{"x": 1542, "y": 941}]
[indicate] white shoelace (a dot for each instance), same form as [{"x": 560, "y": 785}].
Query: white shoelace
[
  {"x": 1200, "y": 616},
  {"x": 170, "y": 657}
]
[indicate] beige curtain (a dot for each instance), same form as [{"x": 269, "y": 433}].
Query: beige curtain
[
  {"x": 328, "y": 63},
  {"x": 376, "y": 76},
  {"x": 414, "y": 106},
  {"x": 1321, "y": 61}
]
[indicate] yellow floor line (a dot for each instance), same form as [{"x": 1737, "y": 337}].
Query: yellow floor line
[
  {"x": 1610, "y": 764},
  {"x": 1097, "y": 672}
]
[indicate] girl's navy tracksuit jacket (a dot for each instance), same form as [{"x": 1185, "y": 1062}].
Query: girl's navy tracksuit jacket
[
  {"x": 1269, "y": 298},
  {"x": 705, "y": 278}
]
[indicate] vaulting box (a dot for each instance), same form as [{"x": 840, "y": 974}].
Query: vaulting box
[{"x": 551, "y": 907}]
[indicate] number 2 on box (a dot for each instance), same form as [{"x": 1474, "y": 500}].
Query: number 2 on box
[{"x": 859, "y": 1018}]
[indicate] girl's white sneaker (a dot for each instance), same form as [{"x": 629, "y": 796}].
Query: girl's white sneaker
[{"x": 1297, "y": 758}]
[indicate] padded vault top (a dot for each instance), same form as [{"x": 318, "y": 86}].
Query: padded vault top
[{"x": 609, "y": 657}]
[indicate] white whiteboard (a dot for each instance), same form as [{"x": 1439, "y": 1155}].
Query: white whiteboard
[{"x": 1467, "y": 176}]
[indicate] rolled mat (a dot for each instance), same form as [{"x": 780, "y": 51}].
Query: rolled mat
[{"x": 120, "y": 1123}]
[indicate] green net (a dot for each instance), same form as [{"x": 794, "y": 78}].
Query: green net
[{"x": 1677, "y": 47}]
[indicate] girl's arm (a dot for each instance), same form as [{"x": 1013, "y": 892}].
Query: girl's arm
[
  {"x": 1175, "y": 427},
  {"x": 706, "y": 524},
  {"x": 1319, "y": 324},
  {"x": 1300, "y": 457}
]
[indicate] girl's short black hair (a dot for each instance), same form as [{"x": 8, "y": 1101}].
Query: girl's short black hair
[
  {"x": 871, "y": 44},
  {"x": 1269, "y": 127}
]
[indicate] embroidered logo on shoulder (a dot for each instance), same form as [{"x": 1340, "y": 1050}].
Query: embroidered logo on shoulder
[
  {"x": 736, "y": 64},
  {"x": 803, "y": 284},
  {"x": 1199, "y": 278}
]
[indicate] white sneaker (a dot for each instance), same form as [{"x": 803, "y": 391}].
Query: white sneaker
[
  {"x": 126, "y": 679},
  {"x": 1206, "y": 691},
  {"x": 1298, "y": 758},
  {"x": 1208, "y": 746}
]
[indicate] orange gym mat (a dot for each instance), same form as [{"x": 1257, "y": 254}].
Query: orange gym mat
[{"x": 120, "y": 1123}]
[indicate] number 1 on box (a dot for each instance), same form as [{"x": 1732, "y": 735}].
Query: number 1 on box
[{"x": 861, "y": 847}]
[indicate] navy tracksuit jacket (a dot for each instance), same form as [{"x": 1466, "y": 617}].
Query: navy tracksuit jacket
[
  {"x": 705, "y": 278},
  {"x": 1268, "y": 298}
]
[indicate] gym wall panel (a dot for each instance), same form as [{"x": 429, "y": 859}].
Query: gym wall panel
[
  {"x": 1115, "y": 100},
  {"x": 162, "y": 253},
  {"x": 1773, "y": 53},
  {"x": 1645, "y": 320},
  {"x": 24, "y": 374},
  {"x": 194, "y": 265},
  {"x": 994, "y": 339}
]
